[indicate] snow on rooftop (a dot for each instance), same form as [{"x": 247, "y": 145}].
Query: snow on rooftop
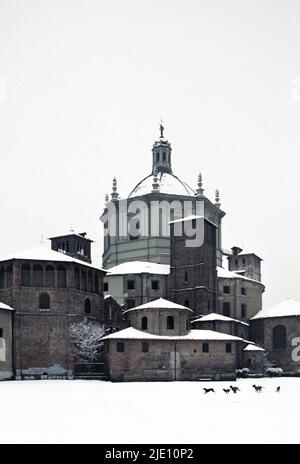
[
  {"x": 287, "y": 307},
  {"x": 168, "y": 184},
  {"x": 5, "y": 307},
  {"x": 44, "y": 253},
  {"x": 139, "y": 267},
  {"x": 133, "y": 334},
  {"x": 217, "y": 317},
  {"x": 161, "y": 303},
  {"x": 253, "y": 348},
  {"x": 224, "y": 273}
]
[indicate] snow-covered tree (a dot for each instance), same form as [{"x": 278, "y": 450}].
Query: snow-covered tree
[{"x": 86, "y": 337}]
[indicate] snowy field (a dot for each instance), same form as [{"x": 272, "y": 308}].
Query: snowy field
[{"x": 158, "y": 413}]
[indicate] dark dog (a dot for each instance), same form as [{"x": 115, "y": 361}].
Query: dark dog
[
  {"x": 226, "y": 391},
  {"x": 278, "y": 389},
  {"x": 234, "y": 389},
  {"x": 257, "y": 388},
  {"x": 208, "y": 390}
]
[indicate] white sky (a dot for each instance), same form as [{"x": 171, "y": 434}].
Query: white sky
[{"x": 83, "y": 84}]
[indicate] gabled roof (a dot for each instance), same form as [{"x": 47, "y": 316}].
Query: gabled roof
[
  {"x": 133, "y": 334},
  {"x": 217, "y": 317},
  {"x": 46, "y": 254},
  {"x": 5, "y": 307},
  {"x": 161, "y": 303},
  {"x": 285, "y": 308},
  {"x": 139, "y": 267}
]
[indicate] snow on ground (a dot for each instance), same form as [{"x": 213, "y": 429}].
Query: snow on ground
[{"x": 158, "y": 413}]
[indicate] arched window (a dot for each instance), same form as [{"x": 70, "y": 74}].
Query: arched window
[
  {"x": 37, "y": 275},
  {"x": 83, "y": 281},
  {"x": 279, "y": 337},
  {"x": 164, "y": 157},
  {"x": 145, "y": 323},
  {"x": 25, "y": 275},
  {"x": 44, "y": 302},
  {"x": 2, "y": 277},
  {"x": 170, "y": 322},
  {"x": 157, "y": 157},
  {"x": 9, "y": 276},
  {"x": 87, "y": 306},
  {"x": 96, "y": 283},
  {"x": 90, "y": 282},
  {"x": 120, "y": 347},
  {"x": 77, "y": 278},
  {"x": 50, "y": 276},
  {"x": 61, "y": 277}
]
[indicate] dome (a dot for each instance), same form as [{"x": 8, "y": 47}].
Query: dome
[{"x": 168, "y": 184}]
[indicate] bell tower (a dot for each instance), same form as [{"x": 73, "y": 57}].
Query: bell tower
[{"x": 162, "y": 154}]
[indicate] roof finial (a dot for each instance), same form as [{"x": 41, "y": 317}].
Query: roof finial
[
  {"x": 42, "y": 241},
  {"x": 217, "y": 199},
  {"x": 106, "y": 199},
  {"x": 72, "y": 229},
  {"x": 200, "y": 190},
  {"x": 115, "y": 195},
  {"x": 161, "y": 128}
]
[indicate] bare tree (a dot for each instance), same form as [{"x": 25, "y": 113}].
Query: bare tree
[{"x": 86, "y": 336}]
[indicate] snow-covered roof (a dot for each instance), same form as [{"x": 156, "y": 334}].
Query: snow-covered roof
[
  {"x": 224, "y": 273},
  {"x": 285, "y": 308},
  {"x": 139, "y": 267},
  {"x": 192, "y": 218},
  {"x": 71, "y": 234},
  {"x": 206, "y": 335},
  {"x": 5, "y": 307},
  {"x": 253, "y": 348},
  {"x": 168, "y": 184},
  {"x": 217, "y": 317},
  {"x": 44, "y": 253},
  {"x": 161, "y": 303}
]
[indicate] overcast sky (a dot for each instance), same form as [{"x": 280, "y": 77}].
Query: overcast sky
[{"x": 84, "y": 83}]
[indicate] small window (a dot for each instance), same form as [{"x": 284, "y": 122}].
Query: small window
[
  {"x": 105, "y": 287},
  {"x": 145, "y": 347},
  {"x": 249, "y": 361},
  {"x": 130, "y": 284},
  {"x": 226, "y": 289},
  {"x": 187, "y": 325},
  {"x": 244, "y": 291},
  {"x": 279, "y": 337},
  {"x": 244, "y": 311},
  {"x": 1, "y": 333},
  {"x": 120, "y": 347},
  {"x": 186, "y": 277},
  {"x": 144, "y": 323},
  {"x": 87, "y": 306},
  {"x": 226, "y": 309},
  {"x": 157, "y": 157},
  {"x": 170, "y": 323},
  {"x": 205, "y": 348},
  {"x": 164, "y": 157},
  {"x": 187, "y": 303},
  {"x": 44, "y": 301},
  {"x": 236, "y": 262},
  {"x": 107, "y": 347},
  {"x": 244, "y": 261},
  {"x": 155, "y": 285},
  {"x": 228, "y": 348}
]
